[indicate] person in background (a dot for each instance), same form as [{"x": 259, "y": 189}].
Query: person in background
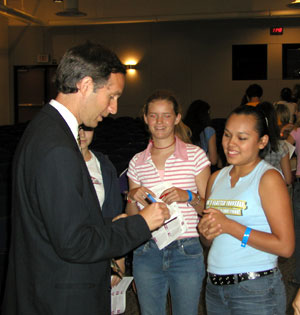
[
  {"x": 294, "y": 138},
  {"x": 297, "y": 122},
  {"x": 61, "y": 245},
  {"x": 287, "y": 100},
  {"x": 283, "y": 119},
  {"x": 277, "y": 152},
  {"x": 296, "y": 94},
  {"x": 253, "y": 95},
  {"x": 248, "y": 218},
  {"x": 104, "y": 178},
  {"x": 169, "y": 157},
  {"x": 198, "y": 120}
]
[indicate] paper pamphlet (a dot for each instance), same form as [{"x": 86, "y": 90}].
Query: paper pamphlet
[
  {"x": 118, "y": 296},
  {"x": 291, "y": 148},
  {"x": 169, "y": 232},
  {"x": 173, "y": 227}
]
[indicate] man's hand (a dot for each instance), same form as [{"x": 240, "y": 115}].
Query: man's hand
[
  {"x": 139, "y": 194},
  {"x": 155, "y": 215},
  {"x": 120, "y": 216}
]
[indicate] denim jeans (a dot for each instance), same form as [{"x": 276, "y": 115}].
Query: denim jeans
[
  {"x": 178, "y": 267},
  {"x": 261, "y": 296},
  {"x": 296, "y": 208}
]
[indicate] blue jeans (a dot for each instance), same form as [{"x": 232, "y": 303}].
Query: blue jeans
[
  {"x": 261, "y": 296},
  {"x": 178, "y": 267},
  {"x": 296, "y": 208}
]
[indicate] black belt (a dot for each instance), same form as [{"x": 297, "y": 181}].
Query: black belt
[{"x": 236, "y": 278}]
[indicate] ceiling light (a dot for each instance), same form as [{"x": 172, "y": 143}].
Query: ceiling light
[
  {"x": 70, "y": 9},
  {"x": 294, "y": 5}
]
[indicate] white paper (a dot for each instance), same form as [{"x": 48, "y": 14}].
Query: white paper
[
  {"x": 291, "y": 148},
  {"x": 173, "y": 227},
  {"x": 158, "y": 190},
  {"x": 118, "y": 296},
  {"x": 169, "y": 232}
]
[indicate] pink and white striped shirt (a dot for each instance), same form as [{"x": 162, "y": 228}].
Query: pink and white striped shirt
[{"x": 181, "y": 168}]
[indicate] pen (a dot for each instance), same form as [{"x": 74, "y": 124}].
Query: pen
[
  {"x": 151, "y": 198},
  {"x": 116, "y": 268},
  {"x": 164, "y": 195}
]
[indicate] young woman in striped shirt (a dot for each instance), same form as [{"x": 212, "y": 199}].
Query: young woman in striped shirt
[{"x": 169, "y": 157}]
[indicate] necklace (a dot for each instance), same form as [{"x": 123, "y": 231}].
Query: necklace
[{"x": 163, "y": 147}]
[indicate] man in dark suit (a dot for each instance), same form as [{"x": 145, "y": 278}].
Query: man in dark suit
[{"x": 61, "y": 245}]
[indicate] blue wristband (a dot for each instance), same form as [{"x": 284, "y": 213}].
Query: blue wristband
[
  {"x": 245, "y": 237},
  {"x": 190, "y": 195}
]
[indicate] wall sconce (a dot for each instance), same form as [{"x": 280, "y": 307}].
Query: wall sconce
[
  {"x": 58, "y": 1},
  {"x": 130, "y": 67}
]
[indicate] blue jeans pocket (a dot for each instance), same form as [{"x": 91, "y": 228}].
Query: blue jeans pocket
[
  {"x": 263, "y": 296},
  {"x": 191, "y": 248},
  {"x": 257, "y": 286},
  {"x": 262, "y": 285}
]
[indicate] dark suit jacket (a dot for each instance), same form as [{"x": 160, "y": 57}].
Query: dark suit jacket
[{"x": 61, "y": 247}]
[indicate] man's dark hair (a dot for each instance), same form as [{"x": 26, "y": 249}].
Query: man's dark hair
[
  {"x": 254, "y": 90},
  {"x": 286, "y": 94},
  {"x": 89, "y": 59}
]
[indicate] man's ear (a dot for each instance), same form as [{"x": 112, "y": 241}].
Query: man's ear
[
  {"x": 263, "y": 141},
  {"x": 85, "y": 85}
]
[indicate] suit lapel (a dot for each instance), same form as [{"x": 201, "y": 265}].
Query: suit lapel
[{"x": 54, "y": 114}]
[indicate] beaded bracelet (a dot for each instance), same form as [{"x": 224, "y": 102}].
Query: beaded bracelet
[
  {"x": 196, "y": 201},
  {"x": 130, "y": 200}
]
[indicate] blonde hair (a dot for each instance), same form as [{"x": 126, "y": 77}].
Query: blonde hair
[
  {"x": 283, "y": 114},
  {"x": 181, "y": 130}
]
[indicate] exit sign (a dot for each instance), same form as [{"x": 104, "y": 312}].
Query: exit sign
[
  {"x": 42, "y": 58},
  {"x": 276, "y": 30}
]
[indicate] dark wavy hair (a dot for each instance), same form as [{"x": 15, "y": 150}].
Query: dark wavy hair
[
  {"x": 197, "y": 118},
  {"x": 252, "y": 91},
  {"x": 286, "y": 94},
  {"x": 273, "y": 128},
  {"x": 261, "y": 125},
  {"x": 89, "y": 59}
]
